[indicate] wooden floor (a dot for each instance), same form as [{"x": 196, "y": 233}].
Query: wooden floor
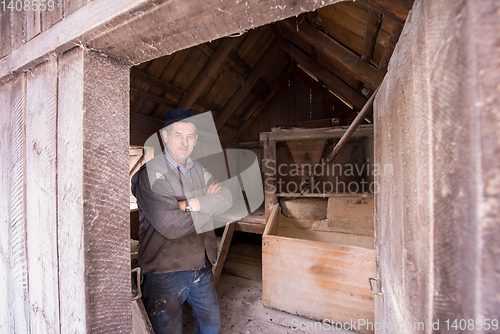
[{"x": 240, "y": 299}]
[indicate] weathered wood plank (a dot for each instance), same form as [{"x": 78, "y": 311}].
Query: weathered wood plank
[
  {"x": 5, "y": 28},
  {"x": 488, "y": 69},
  {"x": 5, "y": 182},
  {"x": 333, "y": 50},
  {"x": 101, "y": 21},
  {"x": 73, "y": 5},
  {"x": 227, "y": 236},
  {"x": 326, "y": 77},
  {"x": 370, "y": 36},
  {"x": 49, "y": 16},
  {"x": 317, "y": 280},
  {"x": 389, "y": 47},
  {"x": 41, "y": 213},
  {"x": 269, "y": 172},
  {"x": 33, "y": 23},
  {"x": 272, "y": 220},
  {"x": 106, "y": 194},
  {"x": 252, "y": 115},
  {"x": 208, "y": 72},
  {"x": 71, "y": 247},
  {"x": 19, "y": 311},
  {"x": 146, "y": 77},
  {"x": 395, "y": 9},
  {"x": 18, "y": 28},
  {"x": 299, "y": 134}
]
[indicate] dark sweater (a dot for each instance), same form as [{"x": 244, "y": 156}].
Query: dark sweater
[{"x": 168, "y": 240}]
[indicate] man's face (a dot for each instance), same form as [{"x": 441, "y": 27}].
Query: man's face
[{"x": 180, "y": 141}]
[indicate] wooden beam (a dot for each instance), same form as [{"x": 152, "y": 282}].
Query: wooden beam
[
  {"x": 370, "y": 37},
  {"x": 125, "y": 29},
  {"x": 240, "y": 69},
  {"x": 325, "y": 76},
  {"x": 389, "y": 48},
  {"x": 363, "y": 130},
  {"x": 260, "y": 69},
  {"x": 151, "y": 79},
  {"x": 140, "y": 121},
  {"x": 227, "y": 236},
  {"x": 269, "y": 172},
  {"x": 155, "y": 98},
  {"x": 395, "y": 9},
  {"x": 249, "y": 227},
  {"x": 257, "y": 109},
  {"x": 208, "y": 72},
  {"x": 336, "y": 52}
]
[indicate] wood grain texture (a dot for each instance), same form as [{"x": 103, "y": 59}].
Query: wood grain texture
[
  {"x": 326, "y": 77},
  {"x": 317, "y": 280},
  {"x": 5, "y": 28},
  {"x": 208, "y": 72},
  {"x": 333, "y": 50},
  {"x": 106, "y": 194},
  {"x": 264, "y": 65},
  {"x": 486, "y": 12},
  {"x": 41, "y": 213},
  {"x": 227, "y": 236},
  {"x": 269, "y": 175},
  {"x": 33, "y": 23},
  {"x": 6, "y": 309},
  {"x": 70, "y": 219},
  {"x": 100, "y": 26},
  {"x": 403, "y": 139},
  {"x": 444, "y": 154},
  {"x": 18, "y": 294}
]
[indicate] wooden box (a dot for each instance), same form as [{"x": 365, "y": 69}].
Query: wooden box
[{"x": 316, "y": 274}]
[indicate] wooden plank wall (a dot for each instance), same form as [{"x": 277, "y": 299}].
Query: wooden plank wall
[
  {"x": 65, "y": 247},
  {"x": 20, "y": 26},
  {"x": 437, "y": 121},
  {"x": 14, "y": 307},
  {"x": 300, "y": 99}
]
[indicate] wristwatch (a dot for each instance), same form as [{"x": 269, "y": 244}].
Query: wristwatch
[{"x": 188, "y": 207}]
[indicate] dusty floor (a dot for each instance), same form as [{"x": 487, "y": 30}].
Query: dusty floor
[{"x": 240, "y": 300}]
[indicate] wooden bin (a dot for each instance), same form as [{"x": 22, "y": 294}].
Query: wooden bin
[{"x": 321, "y": 275}]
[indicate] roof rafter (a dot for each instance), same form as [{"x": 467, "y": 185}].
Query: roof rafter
[
  {"x": 325, "y": 76},
  {"x": 370, "y": 37},
  {"x": 151, "y": 79},
  {"x": 208, "y": 72},
  {"x": 394, "y": 9},
  {"x": 336, "y": 52},
  {"x": 252, "y": 115},
  {"x": 391, "y": 44},
  {"x": 260, "y": 69}
]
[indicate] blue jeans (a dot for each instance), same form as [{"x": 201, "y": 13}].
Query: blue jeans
[{"x": 164, "y": 295}]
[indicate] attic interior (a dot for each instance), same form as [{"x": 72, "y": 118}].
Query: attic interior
[{"x": 290, "y": 83}]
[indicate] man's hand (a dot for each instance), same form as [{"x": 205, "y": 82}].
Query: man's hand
[
  {"x": 193, "y": 202},
  {"x": 213, "y": 188}
]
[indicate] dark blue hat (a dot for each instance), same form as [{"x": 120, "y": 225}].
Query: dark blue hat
[{"x": 178, "y": 114}]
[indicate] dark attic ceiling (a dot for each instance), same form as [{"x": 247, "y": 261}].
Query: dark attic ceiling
[{"x": 345, "y": 48}]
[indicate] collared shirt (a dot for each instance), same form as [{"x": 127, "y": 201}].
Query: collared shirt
[{"x": 184, "y": 170}]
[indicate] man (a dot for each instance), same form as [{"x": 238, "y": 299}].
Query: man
[{"x": 175, "y": 195}]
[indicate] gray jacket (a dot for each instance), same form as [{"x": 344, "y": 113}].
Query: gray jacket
[{"x": 167, "y": 236}]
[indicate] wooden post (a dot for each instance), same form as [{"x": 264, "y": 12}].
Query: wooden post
[
  {"x": 106, "y": 193},
  {"x": 269, "y": 171}
]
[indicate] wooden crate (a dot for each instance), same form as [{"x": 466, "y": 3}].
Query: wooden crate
[{"x": 325, "y": 279}]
